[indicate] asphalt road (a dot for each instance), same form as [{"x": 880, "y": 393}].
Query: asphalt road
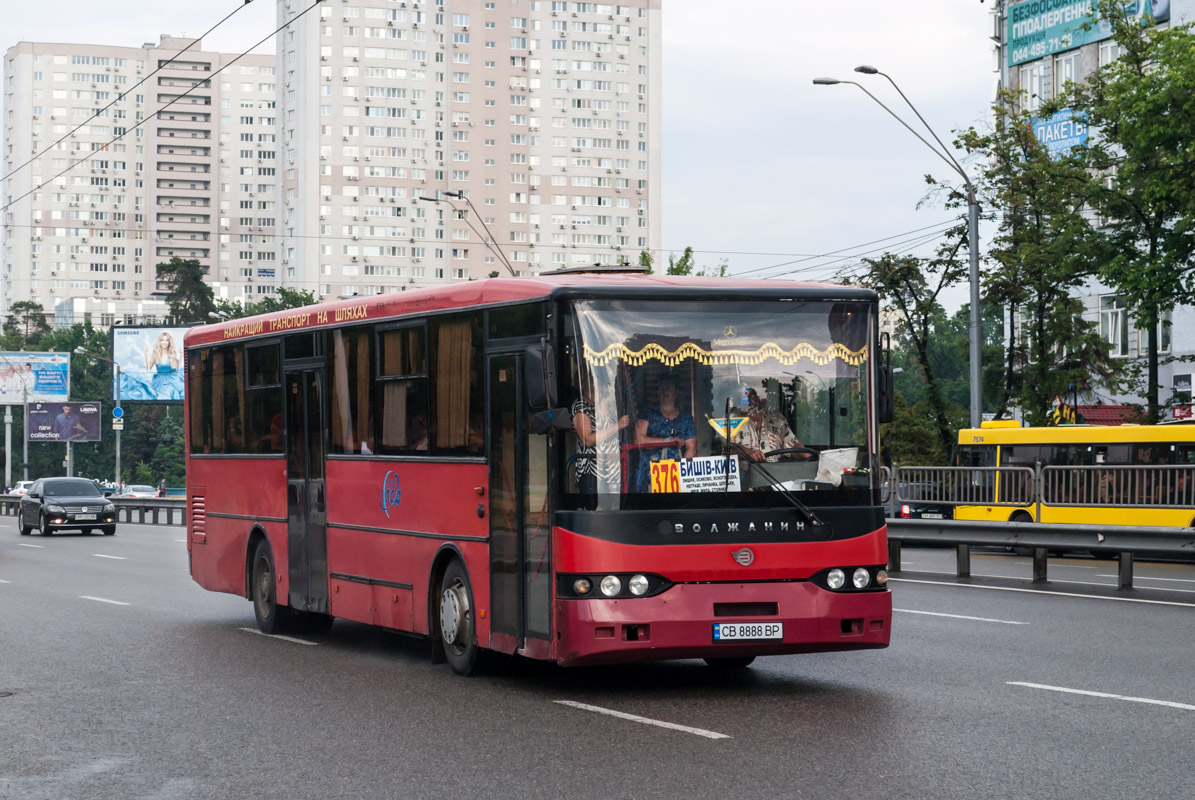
[{"x": 128, "y": 681}]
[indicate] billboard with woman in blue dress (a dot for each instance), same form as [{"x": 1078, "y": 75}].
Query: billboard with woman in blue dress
[{"x": 151, "y": 364}]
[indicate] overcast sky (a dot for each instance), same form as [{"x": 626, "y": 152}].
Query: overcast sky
[{"x": 756, "y": 159}]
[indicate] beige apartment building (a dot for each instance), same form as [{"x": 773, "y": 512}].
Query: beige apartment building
[
  {"x": 543, "y": 114},
  {"x": 181, "y": 162}
]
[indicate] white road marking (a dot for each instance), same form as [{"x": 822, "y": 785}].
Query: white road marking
[
  {"x": 1146, "y": 700},
  {"x": 184, "y": 541},
  {"x": 102, "y": 600},
  {"x": 283, "y": 638},
  {"x": 1052, "y": 580},
  {"x": 1113, "y": 585},
  {"x": 1147, "y": 578},
  {"x": 1055, "y": 594},
  {"x": 3, "y": 581},
  {"x": 958, "y": 616},
  {"x": 22, "y": 544},
  {"x": 117, "y": 558},
  {"x": 634, "y": 718}
]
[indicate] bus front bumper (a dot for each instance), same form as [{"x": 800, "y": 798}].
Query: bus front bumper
[{"x": 679, "y": 623}]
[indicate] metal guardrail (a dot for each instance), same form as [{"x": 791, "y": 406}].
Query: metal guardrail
[
  {"x": 153, "y": 508},
  {"x": 969, "y": 486},
  {"x": 1119, "y": 486},
  {"x": 1088, "y": 486},
  {"x": 1125, "y": 540}
]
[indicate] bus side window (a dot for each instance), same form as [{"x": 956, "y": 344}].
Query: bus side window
[
  {"x": 351, "y": 377},
  {"x": 1021, "y": 455},
  {"x": 970, "y": 456},
  {"x": 402, "y": 373}
]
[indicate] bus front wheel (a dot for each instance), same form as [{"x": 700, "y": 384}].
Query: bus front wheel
[
  {"x": 271, "y": 617},
  {"x": 457, "y": 632}
]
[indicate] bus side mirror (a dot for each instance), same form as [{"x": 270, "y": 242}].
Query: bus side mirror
[
  {"x": 887, "y": 393},
  {"x": 539, "y": 372},
  {"x": 551, "y": 420}
]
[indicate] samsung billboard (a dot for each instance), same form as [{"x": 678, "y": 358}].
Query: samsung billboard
[{"x": 151, "y": 364}]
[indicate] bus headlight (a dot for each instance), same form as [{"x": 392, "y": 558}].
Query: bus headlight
[
  {"x": 582, "y": 586},
  {"x": 881, "y": 577},
  {"x": 835, "y": 578},
  {"x": 611, "y": 586},
  {"x": 638, "y": 585},
  {"x": 861, "y": 578}
]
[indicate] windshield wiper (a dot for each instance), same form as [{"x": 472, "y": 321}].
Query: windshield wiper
[{"x": 787, "y": 493}]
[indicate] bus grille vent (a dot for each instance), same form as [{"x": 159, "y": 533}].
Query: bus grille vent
[{"x": 198, "y": 514}]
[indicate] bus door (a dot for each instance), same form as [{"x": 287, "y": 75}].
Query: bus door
[
  {"x": 520, "y": 555},
  {"x": 306, "y": 500}
]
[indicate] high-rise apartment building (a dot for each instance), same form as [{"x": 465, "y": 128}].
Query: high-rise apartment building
[
  {"x": 182, "y": 164},
  {"x": 543, "y": 114}
]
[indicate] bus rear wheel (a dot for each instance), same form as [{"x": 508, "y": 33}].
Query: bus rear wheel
[
  {"x": 1021, "y": 516},
  {"x": 457, "y": 633},
  {"x": 741, "y": 662},
  {"x": 271, "y": 617}
]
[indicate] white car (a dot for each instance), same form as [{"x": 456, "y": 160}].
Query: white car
[
  {"x": 137, "y": 490},
  {"x": 20, "y": 487}
]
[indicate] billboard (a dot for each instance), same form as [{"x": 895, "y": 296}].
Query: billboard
[
  {"x": 34, "y": 378},
  {"x": 61, "y": 422},
  {"x": 151, "y": 364},
  {"x": 1039, "y": 28},
  {"x": 1061, "y": 132}
]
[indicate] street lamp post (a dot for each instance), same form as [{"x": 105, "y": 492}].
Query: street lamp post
[
  {"x": 84, "y": 352},
  {"x": 975, "y": 337}
]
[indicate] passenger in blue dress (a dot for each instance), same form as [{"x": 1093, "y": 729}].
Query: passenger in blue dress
[{"x": 668, "y": 427}]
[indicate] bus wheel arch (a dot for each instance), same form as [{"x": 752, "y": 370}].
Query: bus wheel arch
[
  {"x": 272, "y": 617},
  {"x": 452, "y": 612},
  {"x": 256, "y": 537}
]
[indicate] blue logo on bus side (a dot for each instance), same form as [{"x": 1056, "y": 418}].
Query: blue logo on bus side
[{"x": 391, "y": 494}]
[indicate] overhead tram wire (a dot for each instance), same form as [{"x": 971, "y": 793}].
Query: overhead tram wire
[
  {"x": 492, "y": 244},
  {"x": 117, "y": 138},
  {"x": 911, "y": 243},
  {"x": 125, "y": 93},
  {"x": 941, "y": 225},
  {"x": 460, "y": 195},
  {"x": 935, "y": 230}
]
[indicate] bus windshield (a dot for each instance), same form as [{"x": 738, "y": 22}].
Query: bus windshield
[{"x": 679, "y": 404}]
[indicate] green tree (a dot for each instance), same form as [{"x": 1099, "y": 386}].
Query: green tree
[
  {"x": 190, "y": 297},
  {"x": 682, "y": 265},
  {"x": 646, "y": 260},
  {"x": 287, "y": 298},
  {"x": 26, "y": 325},
  {"x": 1140, "y": 171},
  {"x": 1043, "y": 250},
  {"x": 909, "y": 439},
  {"x": 911, "y": 286}
]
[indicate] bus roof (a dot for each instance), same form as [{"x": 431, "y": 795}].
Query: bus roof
[
  {"x": 1078, "y": 434},
  {"x": 495, "y": 291}
]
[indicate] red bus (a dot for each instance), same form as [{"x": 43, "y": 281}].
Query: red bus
[{"x": 541, "y": 466}]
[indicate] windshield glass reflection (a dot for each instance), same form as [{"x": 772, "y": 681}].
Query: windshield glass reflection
[{"x": 671, "y": 401}]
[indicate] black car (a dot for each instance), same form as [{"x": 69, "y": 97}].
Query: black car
[
  {"x": 56, "y": 503},
  {"x": 916, "y": 500}
]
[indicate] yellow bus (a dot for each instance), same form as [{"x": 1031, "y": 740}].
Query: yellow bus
[{"x": 1088, "y": 474}]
